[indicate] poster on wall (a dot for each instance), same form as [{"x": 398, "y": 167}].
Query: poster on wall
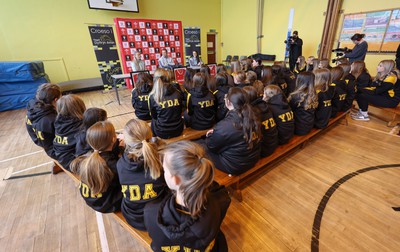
[
  {"x": 115, "y": 5},
  {"x": 392, "y": 36},
  {"x": 381, "y": 29},
  {"x": 192, "y": 41},
  {"x": 106, "y": 52},
  {"x": 148, "y": 37}
]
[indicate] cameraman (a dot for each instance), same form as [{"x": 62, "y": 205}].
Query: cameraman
[
  {"x": 360, "y": 50},
  {"x": 295, "y": 49}
]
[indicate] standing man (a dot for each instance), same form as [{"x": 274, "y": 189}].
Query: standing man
[
  {"x": 360, "y": 50},
  {"x": 165, "y": 61},
  {"x": 137, "y": 64},
  {"x": 295, "y": 49}
]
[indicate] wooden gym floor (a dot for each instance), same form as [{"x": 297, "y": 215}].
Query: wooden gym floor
[{"x": 319, "y": 198}]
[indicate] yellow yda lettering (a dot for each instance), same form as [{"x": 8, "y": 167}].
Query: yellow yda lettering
[
  {"x": 170, "y": 248},
  {"x": 61, "y": 140},
  {"x": 342, "y": 97},
  {"x": 134, "y": 192},
  {"x": 39, "y": 135},
  {"x": 143, "y": 97},
  {"x": 162, "y": 104},
  {"x": 254, "y": 136},
  {"x": 327, "y": 103},
  {"x": 86, "y": 193},
  {"x": 269, "y": 123},
  {"x": 169, "y": 103},
  {"x": 28, "y": 121},
  {"x": 206, "y": 104},
  {"x": 149, "y": 192},
  {"x": 288, "y": 116}
]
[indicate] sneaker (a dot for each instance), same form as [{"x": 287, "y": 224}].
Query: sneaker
[
  {"x": 360, "y": 117},
  {"x": 354, "y": 111}
]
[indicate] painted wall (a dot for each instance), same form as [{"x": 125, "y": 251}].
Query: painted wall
[
  {"x": 56, "y": 31},
  {"x": 357, "y": 6}
]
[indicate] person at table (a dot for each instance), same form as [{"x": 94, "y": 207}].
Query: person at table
[
  {"x": 165, "y": 61},
  {"x": 195, "y": 60},
  {"x": 137, "y": 64}
]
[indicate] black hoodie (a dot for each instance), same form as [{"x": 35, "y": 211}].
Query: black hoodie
[
  {"x": 138, "y": 189},
  {"x": 64, "y": 141},
  {"x": 269, "y": 129},
  {"x": 140, "y": 102},
  {"x": 303, "y": 118},
  {"x": 324, "y": 111},
  {"x": 283, "y": 116},
  {"x": 350, "y": 92},
  {"x": 167, "y": 117},
  {"x": 40, "y": 120},
  {"x": 220, "y": 97},
  {"x": 201, "y": 108},
  {"x": 339, "y": 96},
  {"x": 228, "y": 144},
  {"x": 110, "y": 200},
  {"x": 172, "y": 228}
]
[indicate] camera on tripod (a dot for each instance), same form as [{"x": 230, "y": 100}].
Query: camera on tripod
[
  {"x": 291, "y": 38},
  {"x": 339, "y": 53}
]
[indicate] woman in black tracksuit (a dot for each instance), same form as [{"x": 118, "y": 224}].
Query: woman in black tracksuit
[
  {"x": 189, "y": 219},
  {"x": 325, "y": 94},
  {"x": 350, "y": 86},
  {"x": 221, "y": 81},
  {"x": 68, "y": 123},
  {"x": 140, "y": 172},
  {"x": 97, "y": 170},
  {"x": 140, "y": 96},
  {"x": 281, "y": 111},
  {"x": 165, "y": 107},
  {"x": 270, "y": 139},
  {"x": 201, "y": 105},
  {"x": 234, "y": 143},
  {"x": 304, "y": 101},
  {"x": 339, "y": 85},
  {"x": 41, "y": 114}
]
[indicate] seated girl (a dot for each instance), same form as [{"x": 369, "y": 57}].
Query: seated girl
[
  {"x": 190, "y": 218},
  {"x": 234, "y": 143},
  {"x": 140, "y": 96},
  {"x": 304, "y": 101},
  {"x": 140, "y": 172},
  {"x": 325, "y": 94},
  {"x": 339, "y": 85},
  {"x": 383, "y": 92},
  {"x": 281, "y": 111},
  {"x": 99, "y": 186},
  {"x": 165, "y": 106}
]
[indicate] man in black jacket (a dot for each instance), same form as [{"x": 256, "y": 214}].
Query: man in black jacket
[
  {"x": 398, "y": 57},
  {"x": 295, "y": 49}
]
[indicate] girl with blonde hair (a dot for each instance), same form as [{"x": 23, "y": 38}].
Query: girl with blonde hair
[
  {"x": 304, "y": 101},
  {"x": 190, "y": 217},
  {"x": 325, "y": 94},
  {"x": 97, "y": 170},
  {"x": 165, "y": 104},
  {"x": 68, "y": 123},
  {"x": 383, "y": 92},
  {"x": 140, "y": 172}
]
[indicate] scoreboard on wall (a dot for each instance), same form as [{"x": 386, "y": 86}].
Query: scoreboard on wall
[{"x": 148, "y": 37}]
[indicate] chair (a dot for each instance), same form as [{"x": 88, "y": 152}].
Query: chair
[
  {"x": 242, "y": 57},
  {"x": 235, "y": 58},
  {"x": 228, "y": 60}
]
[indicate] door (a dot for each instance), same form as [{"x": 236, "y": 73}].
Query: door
[{"x": 211, "y": 48}]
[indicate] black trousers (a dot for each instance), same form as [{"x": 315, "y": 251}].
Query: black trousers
[{"x": 378, "y": 100}]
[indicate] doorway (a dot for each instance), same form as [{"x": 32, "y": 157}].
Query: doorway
[{"x": 211, "y": 48}]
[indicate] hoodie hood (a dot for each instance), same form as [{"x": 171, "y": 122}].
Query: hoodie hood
[
  {"x": 65, "y": 125},
  {"x": 199, "y": 92},
  {"x": 279, "y": 101},
  {"x": 127, "y": 164},
  {"x": 37, "y": 110}
]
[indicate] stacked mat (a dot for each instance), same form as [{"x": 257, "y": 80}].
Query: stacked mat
[{"x": 18, "y": 83}]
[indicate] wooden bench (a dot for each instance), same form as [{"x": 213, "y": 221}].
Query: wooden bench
[
  {"x": 297, "y": 141},
  {"x": 188, "y": 134},
  {"x": 142, "y": 236},
  {"x": 395, "y": 112}
]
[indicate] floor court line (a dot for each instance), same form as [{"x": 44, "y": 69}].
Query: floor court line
[{"x": 24, "y": 155}]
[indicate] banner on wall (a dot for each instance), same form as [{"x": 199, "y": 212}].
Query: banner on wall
[
  {"x": 192, "y": 41},
  {"x": 148, "y": 37},
  {"x": 106, "y": 52}
]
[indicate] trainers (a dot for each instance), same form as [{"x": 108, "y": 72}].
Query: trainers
[{"x": 360, "y": 117}]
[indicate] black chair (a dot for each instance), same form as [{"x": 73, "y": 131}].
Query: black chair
[
  {"x": 228, "y": 60},
  {"x": 235, "y": 58}
]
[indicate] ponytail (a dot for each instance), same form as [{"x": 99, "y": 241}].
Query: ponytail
[
  {"x": 196, "y": 172},
  {"x": 152, "y": 163},
  {"x": 161, "y": 81}
]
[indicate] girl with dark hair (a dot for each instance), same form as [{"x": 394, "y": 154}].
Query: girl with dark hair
[
  {"x": 190, "y": 218},
  {"x": 140, "y": 96},
  {"x": 266, "y": 75},
  {"x": 339, "y": 86},
  {"x": 300, "y": 65},
  {"x": 165, "y": 107},
  {"x": 97, "y": 170},
  {"x": 41, "y": 114},
  {"x": 304, "y": 101},
  {"x": 383, "y": 92},
  {"x": 195, "y": 59},
  {"x": 281, "y": 111},
  {"x": 90, "y": 117},
  {"x": 233, "y": 144},
  {"x": 270, "y": 138},
  {"x": 359, "y": 75},
  {"x": 278, "y": 79},
  {"x": 350, "y": 86},
  {"x": 221, "y": 82},
  {"x": 325, "y": 94},
  {"x": 68, "y": 123},
  {"x": 140, "y": 172},
  {"x": 187, "y": 84},
  {"x": 201, "y": 105}
]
